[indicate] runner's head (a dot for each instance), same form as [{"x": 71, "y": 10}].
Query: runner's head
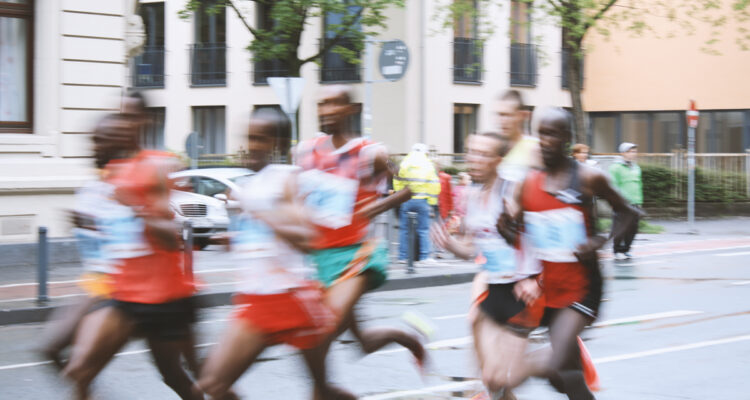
[
  {"x": 335, "y": 108},
  {"x": 114, "y": 138},
  {"x": 484, "y": 153},
  {"x": 510, "y": 115},
  {"x": 554, "y": 136},
  {"x": 266, "y": 124}
]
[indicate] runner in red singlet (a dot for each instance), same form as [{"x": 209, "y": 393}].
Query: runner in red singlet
[{"x": 556, "y": 216}]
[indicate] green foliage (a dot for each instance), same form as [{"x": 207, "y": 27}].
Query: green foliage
[
  {"x": 660, "y": 185},
  {"x": 604, "y": 224},
  {"x": 453, "y": 170},
  {"x": 290, "y": 17}
]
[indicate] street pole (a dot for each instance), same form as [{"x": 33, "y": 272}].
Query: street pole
[
  {"x": 369, "y": 78},
  {"x": 292, "y": 117},
  {"x": 42, "y": 267},
  {"x": 692, "y": 125}
]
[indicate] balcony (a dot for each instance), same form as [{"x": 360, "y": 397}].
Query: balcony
[
  {"x": 522, "y": 64},
  {"x": 148, "y": 68},
  {"x": 335, "y": 68},
  {"x": 208, "y": 64},
  {"x": 467, "y": 60},
  {"x": 566, "y": 53},
  {"x": 268, "y": 68}
]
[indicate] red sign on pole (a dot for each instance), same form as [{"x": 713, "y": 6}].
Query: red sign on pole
[{"x": 692, "y": 115}]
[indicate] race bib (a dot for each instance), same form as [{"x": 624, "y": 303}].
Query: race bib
[
  {"x": 555, "y": 234},
  {"x": 125, "y": 237},
  {"x": 329, "y": 197},
  {"x": 252, "y": 238},
  {"x": 500, "y": 259},
  {"x": 90, "y": 245}
]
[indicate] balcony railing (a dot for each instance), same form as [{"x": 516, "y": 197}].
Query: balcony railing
[
  {"x": 522, "y": 64},
  {"x": 335, "y": 68},
  {"x": 268, "y": 68},
  {"x": 467, "y": 60},
  {"x": 566, "y": 54},
  {"x": 208, "y": 64},
  {"x": 148, "y": 68}
]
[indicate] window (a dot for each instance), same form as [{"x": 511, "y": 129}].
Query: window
[
  {"x": 283, "y": 136},
  {"x": 152, "y": 136},
  {"x": 335, "y": 67},
  {"x": 464, "y": 124},
  {"x": 208, "y": 186},
  {"x": 728, "y": 131},
  {"x": 604, "y": 128},
  {"x": 565, "y": 55},
  {"x": 635, "y": 129},
  {"x": 148, "y": 67},
  {"x": 264, "y": 69},
  {"x": 522, "y": 51},
  {"x": 16, "y": 55},
  {"x": 667, "y": 129},
  {"x": 208, "y": 123},
  {"x": 467, "y": 48},
  {"x": 208, "y": 54}
]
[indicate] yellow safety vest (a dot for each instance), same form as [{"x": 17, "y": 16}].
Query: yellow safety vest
[{"x": 418, "y": 174}]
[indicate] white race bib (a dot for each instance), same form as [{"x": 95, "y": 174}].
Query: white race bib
[
  {"x": 90, "y": 244},
  {"x": 252, "y": 238},
  {"x": 555, "y": 234},
  {"x": 124, "y": 233},
  {"x": 330, "y": 197},
  {"x": 500, "y": 259}
]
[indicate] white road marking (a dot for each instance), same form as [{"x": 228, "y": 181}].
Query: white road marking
[
  {"x": 449, "y": 387},
  {"x": 10, "y": 285},
  {"x": 741, "y": 283},
  {"x": 644, "y": 318},
  {"x": 451, "y": 316},
  {"x": 672, "y": 349},
  {"x": 634, "y": 263},
  {"x": 34, "y": 298},
  {"x": 740, "y": 253}
]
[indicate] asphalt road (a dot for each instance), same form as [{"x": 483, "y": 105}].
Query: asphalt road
[{"x": 672, "y": 327}]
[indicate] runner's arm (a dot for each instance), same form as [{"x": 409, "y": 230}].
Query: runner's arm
[
  {"x": 382, "y": 205},
  {"x": 463, "y": 248}
]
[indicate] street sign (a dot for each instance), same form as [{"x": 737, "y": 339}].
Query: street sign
[
  {"x": 393, "y": 60},
  {"x": 191, "y": 148},
  {"x": 289, "y": 92},
  {"x": 692, "y": 115}
]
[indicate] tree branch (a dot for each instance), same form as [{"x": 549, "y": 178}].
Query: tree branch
[
  {"x": 242, "y": 18},
  {"x": 335, "y": 40},
  {"x": 599, "y": 14}
]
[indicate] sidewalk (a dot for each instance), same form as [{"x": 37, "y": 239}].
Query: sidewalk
[{"x": 216, "y": 271}]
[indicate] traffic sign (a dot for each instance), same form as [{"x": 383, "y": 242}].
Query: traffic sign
[
  {"x": 692, "y": 115},
  {"x": 393, "y": 60},
  {"x": 289, "y": 92}
]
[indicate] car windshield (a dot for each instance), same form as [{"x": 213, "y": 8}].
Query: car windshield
[{"x": 240, "y": 178}]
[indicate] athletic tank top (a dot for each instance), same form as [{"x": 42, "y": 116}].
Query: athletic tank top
[
  {"x": 336, "y": 184},
  {"x": 269, "y": 264},
  {"x": 502, "y": 262},
  {"x": 147, "y": 273},
  {"x": 554, "y": 225}
]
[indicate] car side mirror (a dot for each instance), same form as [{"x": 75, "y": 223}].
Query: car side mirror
[{"x": 221, "y": 196}]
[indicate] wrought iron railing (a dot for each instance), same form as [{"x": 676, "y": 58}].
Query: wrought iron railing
[
  {"x": 148, "y": 68},
  {"x": 467, "y": 59},
  {"x": 335, "y": 68},
  {"x": 268, "y": 68},
  {"x": 208, "y": 64},
  {"x": 523, "y": 64}
]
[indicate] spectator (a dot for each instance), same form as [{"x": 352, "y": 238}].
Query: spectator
[
  {"x": 418, "y": 174},
  {"x": 459, "y": 191},
  {"x": 581, "y": 154},
  {"x": 445, "y": 200},
  {"x": 626, "y": 176}
]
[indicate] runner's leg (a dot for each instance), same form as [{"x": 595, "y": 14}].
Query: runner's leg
[
  {"x": 100, "y": 335},
  {"x": 166, "y": 355},
  {"x": 499, "y": 350},
  {"x": 564, "y": 368},
  {"x": 61, "y": 328}
]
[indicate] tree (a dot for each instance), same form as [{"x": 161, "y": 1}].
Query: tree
[
  {"x": 281, "y": 40},
  {"x": 577, "y": 18}
]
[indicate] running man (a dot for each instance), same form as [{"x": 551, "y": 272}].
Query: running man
[
  {"x": 524, "y": 152},
  {"x": 151, "y": 293},
  {"x": 505, "y": 316},
  {"x": 556, "y": 215},
  {"x": 277, "y": 302},
  {"x": 341, "y": 178}
]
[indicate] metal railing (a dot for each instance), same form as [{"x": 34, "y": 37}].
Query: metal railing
[
  {"x": 208, "y": 64},
  {"x": 522, "y": 64},
  {"x": 148, "y": 68},
  {"x": 335, "y": 69},
  {"x": 565, "y": 55},
  {"x": 467, "y": 60},
  {"x": 268, "y": 68}
]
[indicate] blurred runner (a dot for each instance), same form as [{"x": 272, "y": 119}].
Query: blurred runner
[
  {"x": 555, "y": 214},
  {"x": 276, "y": 300},
  {"x": 341, "y": 178},
  {"x": 524, "y": 152},
  {"x": 151, "y": 294},
  {"x": 509, "y": 307}
]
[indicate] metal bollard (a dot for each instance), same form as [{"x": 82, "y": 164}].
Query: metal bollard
[
  {"x": 413, "y": 251},
  {"x": 42, "y": 267},
  {"x": 187, "y": 237}
]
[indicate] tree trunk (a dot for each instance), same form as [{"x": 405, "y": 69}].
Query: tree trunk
[{"x": 575, "y": 85}]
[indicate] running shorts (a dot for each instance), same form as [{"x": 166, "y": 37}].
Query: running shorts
[
  {"x": 500, "y": 304},
  {"x": 164, "y": 321},
  {"x": 97, "y": 284},
  {"x": 297, "y": 317},
  {"x": 341, "y": 263},
  {"x": 573, "y": 285}
]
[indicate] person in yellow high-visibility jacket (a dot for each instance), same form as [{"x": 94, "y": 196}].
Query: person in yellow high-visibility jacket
[{"x": 417, "y": 172}]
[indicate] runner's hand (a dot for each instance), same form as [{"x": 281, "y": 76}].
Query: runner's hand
[
  {"x": 441, "y": 238},
  {"x": 587, "y": 252},
  {"x": 81, "y": 220},
  {"x": 507, "y": 226},
  {"x": 527, "y": 290}
]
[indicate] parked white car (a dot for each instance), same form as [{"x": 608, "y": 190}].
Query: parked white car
[
  {"x": 207, "y": 215},
  {"x": 219, "y": 183}
]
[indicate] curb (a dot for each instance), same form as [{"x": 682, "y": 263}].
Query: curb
[{"x": 217, "y": 299}]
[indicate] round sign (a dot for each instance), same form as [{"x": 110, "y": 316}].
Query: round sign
[{"x": 394, "y": 59}]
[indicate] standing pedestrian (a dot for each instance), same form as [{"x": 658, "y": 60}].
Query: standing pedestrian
[
  {"x": 580, "y": 153},
  {"x": 626, "y": 176},
  {"x": 418, "y": 174}
]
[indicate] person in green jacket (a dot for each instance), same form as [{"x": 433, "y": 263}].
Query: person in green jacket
[{"x": 626, "y": 176}]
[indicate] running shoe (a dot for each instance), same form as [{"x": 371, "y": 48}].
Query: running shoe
[
  {"x": 620, "y": 257},
  {"x": 627, "y": 255}
]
